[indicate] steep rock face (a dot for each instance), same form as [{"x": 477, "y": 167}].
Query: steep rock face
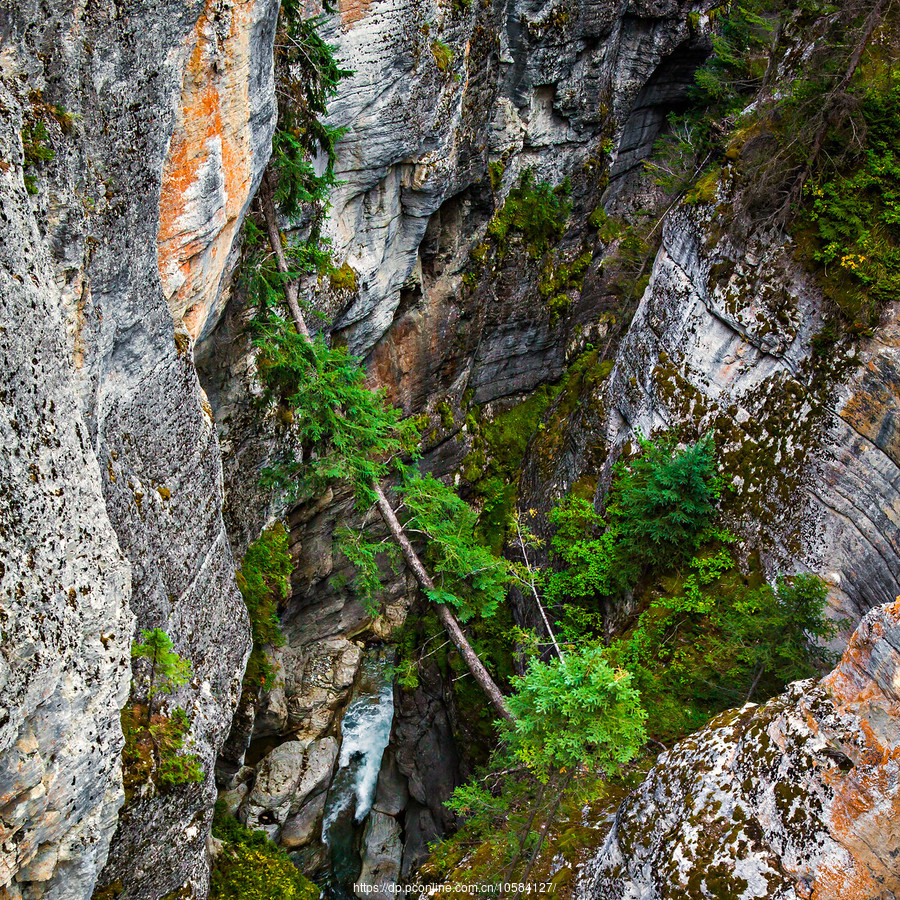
[
  {"x": 66, "y": 627},
  {"x": 139, "y": 448},
  {"x": 527, "y": 84},
  {"x": 797, "y": 798},
  {"x": 723, "y": 339},
  {"x": 219, "y": 147}
]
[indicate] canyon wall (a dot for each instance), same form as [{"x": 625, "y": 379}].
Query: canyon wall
[{"x": 158, "y": 120}]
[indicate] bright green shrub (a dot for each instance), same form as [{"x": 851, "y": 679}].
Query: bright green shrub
[
  {"x": 536, "y": 212},
  {"x": 576, "y": 711},
  {"x": 251, "y": 867},
  {"x": 264, "y": 580}
]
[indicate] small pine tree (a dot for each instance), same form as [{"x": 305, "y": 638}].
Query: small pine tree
[
  {"x": 664, "y": 501},
  {"x": 576, "y": 711},
  {"x": 168, "y": 670}
]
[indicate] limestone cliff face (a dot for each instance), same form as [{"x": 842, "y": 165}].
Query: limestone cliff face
[
  {"x": 797, "y": 798},
  {"x": 722, "y": 340},
  {"x": 530, "y": 84},
  {"x": 112, "y": 466},
  {"x": 64, "y": 657}
]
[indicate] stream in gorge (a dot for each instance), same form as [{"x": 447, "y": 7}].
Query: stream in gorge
[{"x": 365, "y": 732}]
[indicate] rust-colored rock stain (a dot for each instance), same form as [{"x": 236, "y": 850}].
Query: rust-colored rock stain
[{"x": 208, "y": 172}]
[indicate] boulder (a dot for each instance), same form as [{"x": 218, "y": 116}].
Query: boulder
[{"x": 798, "y": 798}]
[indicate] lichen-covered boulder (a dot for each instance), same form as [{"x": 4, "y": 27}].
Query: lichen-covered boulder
[{"x": 796, "y": 798}]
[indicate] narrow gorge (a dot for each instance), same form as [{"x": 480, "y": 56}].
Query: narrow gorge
[{"x": 450, "y": 446}]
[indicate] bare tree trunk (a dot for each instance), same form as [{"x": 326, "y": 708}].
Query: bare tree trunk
[
  {"x": 530, "y": 582},
  {"x": 526, "y": 830},
  {"x": 448, "y": 620},
  {"x": 548, "y": 824},
  {"x": 267, "y": 202},
  {"x": 759, "y": 674}
]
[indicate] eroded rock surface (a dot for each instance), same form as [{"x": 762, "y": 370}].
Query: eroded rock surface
[
  {"x": 797, "y": 798},
  {"x": 110, "y": 411},
  {"x": 66, "y": 625},
  {"x": 723, "y": 340}
]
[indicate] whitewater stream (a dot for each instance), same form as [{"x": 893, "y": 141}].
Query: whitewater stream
[{"x": 365, "y": 732}]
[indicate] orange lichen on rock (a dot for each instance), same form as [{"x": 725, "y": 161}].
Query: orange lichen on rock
[
  {"x": 864, "y": 816},
  {"x": 353, "y": 10},
  {"x": 208, "y": 174}
]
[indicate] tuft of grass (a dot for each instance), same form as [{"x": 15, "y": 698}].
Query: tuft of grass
[{"x": 443, "y": 55}]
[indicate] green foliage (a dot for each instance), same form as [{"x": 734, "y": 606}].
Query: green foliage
[
  {"x": 536, "y": 212},
  {"x": 741, "y": 40},
  {"x": 347, "y": 430},
  {"x": 37, "y": 150},
  {"x": 251, "y": 867},
  {"x": 168, "y": 670},
  {"x": 153, "y": 741},
  {"x": 466, "y": 574},
  {"x": 344, "y": 279},
  {"x": 308, "y": 76},
  {"x": 576, "y": 711},
  {"x": 771, "y": 631},
  {"x": 661, "y": 506},
  {"x": 264, "y": 581},
  {"x": 588, "y": 557},
  {"x": 716, "y": 636},
  {"x": 558, "y": 279},
  {"x": 363, "y": 554},
  {"x": 154, "y": 751},
  {"x": 443, "y": 55},
  {"x": 664, "y": 499},
  {"x": 172, "y": 766},
  {"x": 496, "y": 170},
  {"x": 507, "y": 802},
  {"x": 852, "y": 216}
]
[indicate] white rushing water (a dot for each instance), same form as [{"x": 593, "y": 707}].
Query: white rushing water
[{"x": 365, "y": 732}]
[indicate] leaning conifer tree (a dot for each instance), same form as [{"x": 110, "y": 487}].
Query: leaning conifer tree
[{"x": 344, "y": 430}]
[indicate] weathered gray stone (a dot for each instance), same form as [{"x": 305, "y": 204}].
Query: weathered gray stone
[
  {"x": 269, "y": 802},
  {"x": 64, "y": 582},
  {"x": 300, "y": 829},
  {"x": 147, "y": 86},
  {"x": 381, "y": 851}
]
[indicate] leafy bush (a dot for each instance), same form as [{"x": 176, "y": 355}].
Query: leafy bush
[
  {"x": 251, "y": 867},
  {"x": 852, "y": 217},
  {"x": 717, "y": 638},
  {"x": 537, "y": 212},
  {"x": 576, "y": 711}
]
